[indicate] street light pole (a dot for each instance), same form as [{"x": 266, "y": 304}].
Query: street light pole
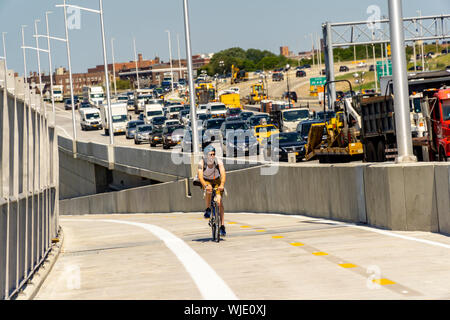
[
  {"x": 50, "y": 65},
  {"x": 105, "y": 61},
  {"x": 114, "y": 66},
  {"x": 136, "y": 63},
  {"x": 24, "y": 59},
  {"x": 400, "y": 82},
  {"x": 195, "y": 138},
  {"x": 4, "y": 50},
  {"x": 170, "y": 58},
  {"x": 70, "y": 79},
  {"x": 38, "y": 58},
  {"x": 421, "y": 41},
  {"x": 179, "y": 57}
]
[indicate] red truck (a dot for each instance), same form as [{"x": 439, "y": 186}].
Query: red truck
[{"x": 378, "y": 126}]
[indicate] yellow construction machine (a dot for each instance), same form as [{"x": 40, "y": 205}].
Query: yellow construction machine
[
  {"x": 238, "y": 75},
  {"x": 338, "y": 139},
  {"x": 205, "y": 92},
  {"x": 257, "y": 93}
]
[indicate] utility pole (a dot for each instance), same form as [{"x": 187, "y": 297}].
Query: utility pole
[
  {"x": 114, "y": 66},
  {"x": 400, "y": 83}
]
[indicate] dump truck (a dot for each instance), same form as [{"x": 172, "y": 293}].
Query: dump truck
[
  {"x": 378, "y": 132},
  {"x": 231, "y": 99},
  {"x": 429, "y": 102}
]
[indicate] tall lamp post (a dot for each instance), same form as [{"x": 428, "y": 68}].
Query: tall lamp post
[
  {"x": 195, "y": 137},
  {"x": 170, "y": 58},
  {"x": 114, "y": 66},
  {"x": 136, "y": 63},
  {"x": 105, "y": 62},
  {"x": 48, "y": 37},
  {"x": 287, "y": 84}
]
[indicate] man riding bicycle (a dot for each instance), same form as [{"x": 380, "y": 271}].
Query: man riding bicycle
[{"x": 211, "y": 173}]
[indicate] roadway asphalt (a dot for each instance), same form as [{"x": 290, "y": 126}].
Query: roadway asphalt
[{"x": 263, "y": 257}]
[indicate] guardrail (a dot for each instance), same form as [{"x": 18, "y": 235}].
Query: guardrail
[{"x": 29, "y": 184}]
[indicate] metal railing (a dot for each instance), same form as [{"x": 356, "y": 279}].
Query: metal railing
[{"x": 29, "y": 184}]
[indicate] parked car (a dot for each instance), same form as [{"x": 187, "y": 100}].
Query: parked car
[
  {"x": 235, "y": 128},
  {"x": 245, "y": 115},
  {"x": 361, "y": 65},
  {"x": 300, "y": 74},
  {"x": 186, "y": 143},
  {"x": 131, "y": 128},
  {"x": 172, "y": 136},
  {"x": 233, "y": 112},
  {"x": 155, "y": 136},
  {"x": 343, "y": 69},
  {"x": 418, "y": 68},
  {"x": 257, "y": 118},
  {"x": 304, "y": 127},
  {"x": 142, "y": 133},
  {"x": 158, "y": 121},
  {"x": 280, "y": 145},
  {"x": 292, "y": 95},
  {"x": 237, "y": 138},
  {"x": 277, "y": 76},
  {"x": 68, "y": 104},
  {"x": 171, "y": 122}
]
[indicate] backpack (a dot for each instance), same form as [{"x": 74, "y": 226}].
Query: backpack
[{"x": 196, "y": 180}]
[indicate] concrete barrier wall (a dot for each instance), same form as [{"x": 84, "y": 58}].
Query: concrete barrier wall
[
  {"x": 413, "y": 197},
  {"x": 28, "y": 188}
]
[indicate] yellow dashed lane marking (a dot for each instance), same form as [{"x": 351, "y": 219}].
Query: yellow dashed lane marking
[
  {"x": 260, "y": 230},
  {"x": 320, "y": 253},
  {"x": 297, "y": 244},
  {"x": 231, "y": 222},
  {"x": 383, "y": 282},
  {"x": 348, "y": 265},
  {"x": 277, "y": 237},
  {"x": 245, "y": 227}
]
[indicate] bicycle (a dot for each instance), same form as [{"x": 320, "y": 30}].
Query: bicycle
[{"x": 214, "y": 219}]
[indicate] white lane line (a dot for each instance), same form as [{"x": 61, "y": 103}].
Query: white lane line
[
  {"x": 210, "y": 285},
  {"x": 346, "y": 224},
  {"x": 64, "y": 130}
]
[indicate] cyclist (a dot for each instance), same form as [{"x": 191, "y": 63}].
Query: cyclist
[{"x": 211, "y": 173}]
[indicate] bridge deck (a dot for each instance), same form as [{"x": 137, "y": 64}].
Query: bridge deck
[{"x": 170, "y": 256}]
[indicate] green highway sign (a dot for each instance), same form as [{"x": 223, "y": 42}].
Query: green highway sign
[{"x": 320, "y": 81}]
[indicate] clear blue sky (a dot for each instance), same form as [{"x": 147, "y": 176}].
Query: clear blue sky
[{"x": 215, "y": 25}]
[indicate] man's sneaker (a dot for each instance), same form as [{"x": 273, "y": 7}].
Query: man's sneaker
[
  {"x": 207, "y": 213},
  {"x": 222, "y": 231}
]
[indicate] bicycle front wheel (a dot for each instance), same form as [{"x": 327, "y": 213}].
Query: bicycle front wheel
[{"x": 217, "y": 223}]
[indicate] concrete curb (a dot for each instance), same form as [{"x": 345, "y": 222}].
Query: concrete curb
[{"x": 31, "y": 288}]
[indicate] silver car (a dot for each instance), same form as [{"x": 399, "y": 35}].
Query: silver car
[
  {"x": 142, "y": 134},
  {"x": 131, "y": 128}
]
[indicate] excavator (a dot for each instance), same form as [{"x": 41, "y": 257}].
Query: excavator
[{"x": 238, "y": 75}]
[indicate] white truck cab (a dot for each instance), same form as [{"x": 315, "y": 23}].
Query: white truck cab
[
  {"x": 216, "y": 109},
  {"x": 151, "y": 111}
]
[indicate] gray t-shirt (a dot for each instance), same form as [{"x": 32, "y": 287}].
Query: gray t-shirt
[{"x": 211, "y": 173}]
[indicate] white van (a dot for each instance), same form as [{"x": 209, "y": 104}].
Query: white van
[{"x": 90, "y": 119}]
